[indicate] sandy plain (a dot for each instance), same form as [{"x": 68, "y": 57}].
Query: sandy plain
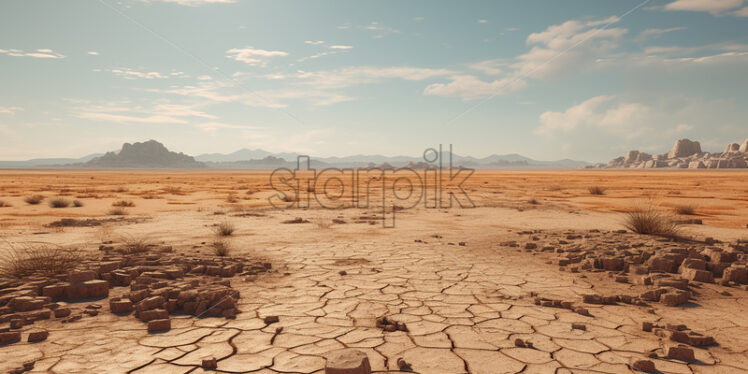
[{"x": 464, "y": 280}]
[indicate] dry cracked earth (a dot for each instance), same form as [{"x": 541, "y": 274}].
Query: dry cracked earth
[{"x": 467, "y": 301}]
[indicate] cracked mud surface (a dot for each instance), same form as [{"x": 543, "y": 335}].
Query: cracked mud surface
[{"x": 465, "y": 307}]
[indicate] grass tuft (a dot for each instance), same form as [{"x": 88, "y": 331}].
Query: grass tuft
[
  {"x": 224, "y": 228},
  {"x": 221, "y": 248},
  {"x": 3, "y": 204},
  {"x": 34, "y": 200},
  {"x": 59, "y": 202},
  {"x": 650, "y": 221},
  {"x": 18, "y": 261},
  {"x": 596, "y": 190},
  {"x": 123, "y": 204},
  {"x": 117, "y": 212},
  {"x": 685, "y": 209}
]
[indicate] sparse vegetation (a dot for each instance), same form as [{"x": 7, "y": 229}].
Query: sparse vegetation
[
  {"x": 3, "y": 204},
  {"x": 117, "y": 212},
  {"x": 59, "y": 202},
  {"x": 651, "y": 221},
  {"x": 231, "y": 198},
  {"x": 554, "y": 187},
  {"x": 34, "y": 200},
  {"x": 17, "y": 261},
  {"x": 123, "y": 204},
  {"x": 685, "y": 209},
  {"x": 77, "y": 203},
  {"x": 224, "y": 228},
  {"x": 321, "y": 223},
  {"x": 533, "y": 202},
  {"x": 135, "y": 244},
  {"x": 596, "y": 190},
  {"x": 221, "y": 248}
]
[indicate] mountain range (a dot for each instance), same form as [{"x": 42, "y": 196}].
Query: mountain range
[{"x": 154, "y": 155}]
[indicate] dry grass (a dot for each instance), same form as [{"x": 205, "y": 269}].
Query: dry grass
[
  {"x": 651, "y": 221},
  {"x": 135, "y": 244},
  {"x": 224, "y": 228},
  {"x": 3, "y": 204},
  {"x": 18, "y": 261},
  {"x": 77, "y": 203},
  {"x": 596, "y": 190},
  {"x": 117, "y": 212},
  {"x": 322, "y": 223},
  {"x": 231, "y": 198},
  {"x": 123, "y": 204},
  {"x": 221, "y": 248},
  {"x": 59, "y": 202},
  {"x": 34, "y": 200},
  {"x": 685, "y": 209},
  {"x": 553, "y": 187}
]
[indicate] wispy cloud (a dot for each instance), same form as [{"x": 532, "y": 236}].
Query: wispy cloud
[
  {"x": 128, "y": 73},
  {"x": 341, "y": 47},
  {"x": 10, "y": 110},
  {"x": 715, "y": 7},
  {"x": 649, "y": 33},
  {"x": 252, "y": 56},
  {"x": 39, "y": 53},
  {"x": 193, "y": 3}
]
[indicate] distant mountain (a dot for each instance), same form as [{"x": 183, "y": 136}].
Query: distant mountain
[
  {"x": 46, "y": 162},
  {"x": 154, "y": 155},
  {"x": 146, "y": 155}
]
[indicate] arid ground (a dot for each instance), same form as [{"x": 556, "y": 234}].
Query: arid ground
[{"x": 540, "y": 277}]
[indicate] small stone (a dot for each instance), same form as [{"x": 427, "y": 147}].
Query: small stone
[
  {"x": 403, "y": 365},
  {"x": 579, "y": 326},
  {"x": 10, "y": 337},
  {"x": 210, "y": 363},
  {"x": 271, "y": 319},
  {"x": 681, "y": 353},
  {"x": 159, "y": 325},
  {"x": 646, "y": 366},
  {"x": 343, "y": 272},
  {"x": 348, "y": 361},
  {"x": 62, "y": 312},
  {"x": 647, "y": 326},
  {"x": 38, "y": 336},
  {"x": 16, "y": 323}
]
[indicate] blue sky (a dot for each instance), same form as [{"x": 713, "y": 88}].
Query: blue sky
[{"x": 585, "y": 79}]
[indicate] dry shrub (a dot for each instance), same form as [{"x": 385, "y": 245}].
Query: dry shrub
[
  {"x": 123, "y": 204},
  {"x": 59, "y": 202},
  {"x": 533, "y": 202},
  {"x": 651, "y": 221},
  {"x": 221, "y": 248},
  {"x": 596, "y": 190},
  {"x": 231, "y": 198},
  {"x": 173, "y": 190},
  {"x": 34, "y": 200},
  {"x": 322, "y": 223},
  {"x": 685, "y": 209},
  {"x": 18, "y": 261},
  {"x": 553, "y": 187},
  {"x": 224, "y": 228},
  {"x": 120, "y": 190},
  {"x": 77, "y": 203},
  {"x": 3, "y": 204},
  {"x": 117, "y": 212},
  {"x": 135, "y": 244}
]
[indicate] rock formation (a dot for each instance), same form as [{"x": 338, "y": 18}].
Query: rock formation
[
  {"x": 686, "y": 154},
  {"x": 146, "y": 155}
]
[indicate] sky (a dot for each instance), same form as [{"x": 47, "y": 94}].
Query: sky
[{"x": 578, "y": 79}]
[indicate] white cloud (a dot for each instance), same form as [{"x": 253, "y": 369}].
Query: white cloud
[
  {"x": 193, "y": 3},
  {"x": 603, "y": 22},
  {"x": 468, "y": 87},
  {"x": 482, "y": 21},
  {"x": 10, "y": 110},
  {"x": 251, "y": 56},
  {"x": 741, "y": 12},
  {"x": 314, "y": 42},
  {"x": 120, "y": 118},
  {"x": 128, "y": 73},
  {"x": 350, "y": 76},
  {"x": 39, "y": 53},
  {"x": 212, "y": 127},
  {"x": 93, "y": 53},
  {"x": 341, "y": 47},
  {"x": 379, "y": 29},
  {"x": 714, "y": 7},
  {"x": 126, "y": 113},
  {"x": 656, "y": 32},
  {"x": 489, "y": 67}
]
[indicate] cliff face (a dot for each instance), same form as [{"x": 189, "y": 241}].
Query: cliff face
[
  {"x": 146, "y": 155},
  {"x": 686, "y": 154}
]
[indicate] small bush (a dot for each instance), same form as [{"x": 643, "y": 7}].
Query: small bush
[
  {"x": 134, "y": 244},
  {"x": 59, "y": 202},
  {"x": 231, "y": 198},
  {"x": 596, "y": 190},
  {"x": 685, "y": 209},
  {"x": 554, "y": 187},
  {"x": 650, "y": 221},
  {"x": 36, "y": 258},
  {"x": 123, "y": 204},
  {"x": 77, "y": 203},
  {"x": 3, "y": 204},
  {"x": 117, "y": 212},
  {"x": 221, "y": 248},
  {"x": 533, "y": 202},
  {"x": 224, "y": 228},
  {"x": 34, "y": 200}
]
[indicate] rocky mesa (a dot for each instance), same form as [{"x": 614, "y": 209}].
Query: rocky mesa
[
  {"x": 145, "y": 155},
  {"x": 686, "y": 154}
]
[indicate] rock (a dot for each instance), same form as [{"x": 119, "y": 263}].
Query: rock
[
  {"x": 120, "y": 306},
  {"x": 646, "y": 366},
  {"x": 647, "y": 326},
  {"x": 684, "y": 148},
  {"x": 271, "y": 319},
  {"x": 347, "y": 361},
  {"x": 62, "y": 312},
  {"x": 681, "y": 353},
  {"x": 17, "y": 323},
  {"x": 675, "y": 297},
  {"x": 160, "y": 325},
  {"x": 210, "y": 363},
  {"x": 38, "y": 336},
  {"x": 737, "y": 274},
  {"x": 81, "y": 276},
  {"x": 10, "y": 337},
  {"x": 744, "y": 147},
  {"x": 579, "y": 326},
  {"x": 153, "y": 314},
  {"x": 698, "y": 275},
  {"x": 403, "y": 365}
]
